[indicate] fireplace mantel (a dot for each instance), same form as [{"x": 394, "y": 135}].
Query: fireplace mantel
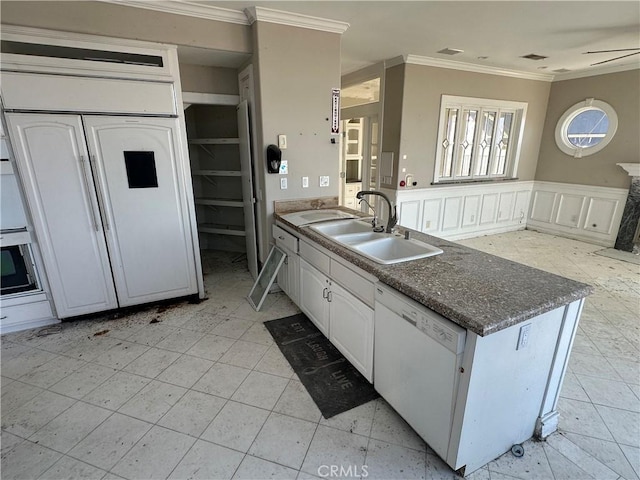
[{"x": 633, "y": 169}]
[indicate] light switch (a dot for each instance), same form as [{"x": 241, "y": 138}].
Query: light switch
[
  {"x": 282, "y": 142},
  {"x": 305, "y": 182},
  {"x": 283, "y": 183}
]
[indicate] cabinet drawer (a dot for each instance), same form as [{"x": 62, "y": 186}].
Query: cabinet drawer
[
  {"x": 315, "y": 257},
  {"x": 352, "y": 188},
  {"x": 25, "y": 314},
  {"x": 285, "y": 239},
  {"x": 354, "y": 283}
]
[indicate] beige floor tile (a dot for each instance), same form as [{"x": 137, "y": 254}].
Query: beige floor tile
[
  {"x": 192, "y": 413},
  {"x": 27, "y": 419},
  {"x": 152, "y": 362},
  {"x": 334, "y": 447},
  {"x": 118, "y": 389},
  {"x": 108, "y": 443},
  {"x": 244, "y": 354},
  {"x": 83, "y": 380},
  {"x": 252, "y": 468},
  {"x": 67, "y": 429},
  {"x": 153, "y": 401},
  {"x": 623, "y": 424},
  {"x": 357, "y": 420},
  {"x": 604, "y": 459},
  {"x": 211, "y": 347},
  {"x": 296, "y": 402},
  {"x": 155, "y": 455},
  {"x": 207, "y": 461},
  {"x": 582, "y": 418},
  {"x": 236, "y": 426},
  {"x": 222, "y": 380},
  {"x": 284, "y": 440},
  {"x": 609, "y": 393},
  {"x": 260, "y": 390},
  {"x": 185, "y": 371},
  {"x": 388, "y": 426},
  {"x": 385, "y": 460},
  {"x": 68, "y": 468},
  {"x": 28, "y": 461}
]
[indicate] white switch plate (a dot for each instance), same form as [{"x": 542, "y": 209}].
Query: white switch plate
[
  {"x": 282, "y": 142},
  {"x": 324, "y": 180},
  {"x": 283, "y": 184},
  {"x": 305, "y": 182}
]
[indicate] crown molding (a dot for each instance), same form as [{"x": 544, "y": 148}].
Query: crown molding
[
  {"x": 596, "y": 71},
  {"x": 295, "y": 20},
  {"x": 187, "y": 8},
  {"x": 470, "y": 67},
  {"x": 392, "y": 62}
]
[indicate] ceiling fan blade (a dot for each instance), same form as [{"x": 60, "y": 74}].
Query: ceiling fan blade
[
  {"x": 610, "y": 51},
  {"x": 617, "y": 58}
]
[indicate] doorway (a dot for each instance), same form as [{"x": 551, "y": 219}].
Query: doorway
[{"x": 359, "y": 159}]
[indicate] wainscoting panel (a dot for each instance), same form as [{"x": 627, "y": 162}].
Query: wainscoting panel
[
  {"x": 583, "y": 212},
  {"x": 465, "y": 211},
  {"x": 542, "y": 206}
]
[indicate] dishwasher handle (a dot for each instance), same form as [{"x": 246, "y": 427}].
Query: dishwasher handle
[{"x": 409, "y": 319}]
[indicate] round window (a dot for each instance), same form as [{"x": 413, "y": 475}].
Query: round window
[{"x": 586, "y": 128}]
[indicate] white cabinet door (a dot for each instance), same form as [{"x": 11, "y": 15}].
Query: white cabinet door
[
  {"x": 314, "y": 288},
  {"x": 53, "y": 163},
  {"x": 139, "y": 174},
  {"x": 288, "y": 275},
  {"x": 351, "y": 329}
]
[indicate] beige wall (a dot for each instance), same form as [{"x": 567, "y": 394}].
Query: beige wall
[
  {"x": 295, "y": 71},
  {"x": 392, "y": 115},
  {"x": 111, "y": 20},
  {"x": 423, "y": 88},
  {"x": 201, "y": 79},
  {"x": 622, "y": 92}
]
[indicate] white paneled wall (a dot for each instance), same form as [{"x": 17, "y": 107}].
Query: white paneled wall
[
  {"x": 582, "y": 212},
  {"x": 463, "y": 211}
]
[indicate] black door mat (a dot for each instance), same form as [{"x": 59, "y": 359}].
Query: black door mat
[{"x": 334, "y": 384}]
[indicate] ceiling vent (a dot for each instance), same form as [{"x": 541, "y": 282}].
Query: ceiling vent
[
  {"x": 533, "y": 56},
  {"x": 561, "y": 70},
  {"x": 450, "y": 51}
]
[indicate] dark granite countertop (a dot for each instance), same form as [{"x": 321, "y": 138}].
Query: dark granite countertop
[{"x": 478, "y": 291}]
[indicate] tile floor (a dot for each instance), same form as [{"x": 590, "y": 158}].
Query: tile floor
[{"x": 201, "y": 391}]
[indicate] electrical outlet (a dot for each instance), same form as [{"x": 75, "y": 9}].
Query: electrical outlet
[
  {"x": 305, "y": 182},
  {"x": 523, "y": 338},
  {"x": 427, "y": 224},
  {"x": 283, "y": 184},
  {"x": 324, "y": 180}
]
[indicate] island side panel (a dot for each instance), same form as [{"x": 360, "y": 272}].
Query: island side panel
[{"x": 502, "y": 390}]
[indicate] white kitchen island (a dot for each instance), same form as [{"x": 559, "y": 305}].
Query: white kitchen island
[{"x": 475, "y": 355}]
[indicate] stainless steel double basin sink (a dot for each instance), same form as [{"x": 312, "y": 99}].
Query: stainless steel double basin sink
[{"x": 385, "y": 248}]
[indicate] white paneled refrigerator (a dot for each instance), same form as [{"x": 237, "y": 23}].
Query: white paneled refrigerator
[{"x": 109, "y": 206}]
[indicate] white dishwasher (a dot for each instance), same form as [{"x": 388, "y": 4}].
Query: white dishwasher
[{"x": 417, "y": 361}]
